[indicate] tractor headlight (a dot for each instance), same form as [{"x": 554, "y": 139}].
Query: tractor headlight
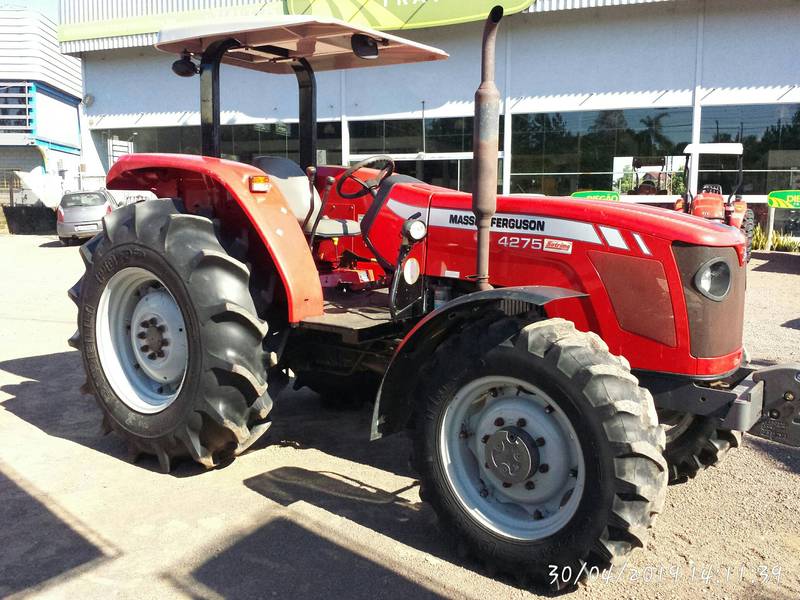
[
  {"x": 713, "y": 279},
  {"x": 414, "y": 230}
]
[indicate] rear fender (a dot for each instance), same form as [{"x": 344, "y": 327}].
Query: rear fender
[
  {"x": 394, "y": 405},
  {"x": 211, "y": 183}
]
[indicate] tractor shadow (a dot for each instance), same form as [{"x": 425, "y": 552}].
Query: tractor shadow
[
  {"x": 778, "y": 262},
  {"x": 786, "y": 456},
  {"x": 50, "y": 400},
  {"x": 412, "y": 524},
  {"x": 285, "y": 559}
]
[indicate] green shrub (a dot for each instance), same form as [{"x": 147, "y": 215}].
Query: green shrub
[
  {"x": 759, "y": 238},
  {"x": 781, "y": 242},
  {"x": 784, "y": 243}
]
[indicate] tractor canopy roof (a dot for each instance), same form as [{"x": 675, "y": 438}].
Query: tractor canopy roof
[
  {"x": 273, "y": 44},
  {"x": 734, "y": 149}
]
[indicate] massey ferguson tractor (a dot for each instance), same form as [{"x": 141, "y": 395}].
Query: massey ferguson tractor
[
  {"x": 710, "y": 203},
  {"x": 556, "y": 362}
]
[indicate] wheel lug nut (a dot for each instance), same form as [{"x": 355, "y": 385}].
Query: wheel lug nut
[
  {"x": 485, "y": 439},
  {"x": 537, "y": 515},
  {"x": 160, "y": 354},
  {"x": 544, "y": 468},
  {"x": 141, "y": 335},
  {"x": 161, "y": 328},
  {"x": 165, "y": 342},
  {"x": 499, "y": 422},
  {"x": 548, "y": 409},
  {"x": 145, "y": 348},
  {"x": 788, "y": 396},
  {"x": 484, "y": 492},
  {"x": 144, "y": 324},
  {"x": 506, "y": 484},
  {"x": 529, "y": 485},
  {"x": 153, "y": 321},
  {"x": 774, "y": 414},
  {"x": 152, "y": 356},
  {"x": 521, "y": 422},
  {"x": 540, "y": 441}
]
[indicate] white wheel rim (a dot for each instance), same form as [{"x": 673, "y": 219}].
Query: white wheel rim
[
  {"x": 141, "y": 340},
  {"x": 516, "y": 512}
]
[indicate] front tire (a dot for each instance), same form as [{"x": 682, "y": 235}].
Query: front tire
[
  {"x": 577, "y": 422},
  {"x": 693, "y": 444},
  {"x": 169, "y": 336}
]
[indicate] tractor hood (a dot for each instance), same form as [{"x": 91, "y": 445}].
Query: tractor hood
[
  {"x": 578, "y": 214},
  {"x": 658, "y": 222}
]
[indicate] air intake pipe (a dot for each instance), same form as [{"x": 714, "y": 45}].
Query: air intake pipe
[{"x": 485, "y": 141}]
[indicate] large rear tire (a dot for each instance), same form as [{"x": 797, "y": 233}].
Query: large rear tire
[
  {"x": 693, "y": 444},
  {"x": 591, "y": 478},
  {"x": 170, "y": 338}
]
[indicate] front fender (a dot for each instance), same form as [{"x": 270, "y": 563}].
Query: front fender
[
  {"x": 203, "y": 181},
  {"x": 394, "y": 404}
]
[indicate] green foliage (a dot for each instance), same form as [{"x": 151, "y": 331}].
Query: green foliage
[
  {"x": 781, "y": 242},
  {"x": 759, "y": 238},
  {"x": 784, "y": 243}
]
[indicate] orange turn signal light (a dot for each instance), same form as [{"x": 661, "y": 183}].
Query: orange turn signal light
[{"x": 260, "y": 183}]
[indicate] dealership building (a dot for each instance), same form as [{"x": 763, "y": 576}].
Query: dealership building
[
  {"x": 40, "y": 91},
  {"x": 586, "y": 86}
]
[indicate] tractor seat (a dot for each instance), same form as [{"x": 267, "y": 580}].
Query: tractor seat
[{"x": 293, "y": 184}]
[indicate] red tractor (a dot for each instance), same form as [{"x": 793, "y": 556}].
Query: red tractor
[
  {"x": 710, "y": 203},
  {"x": 555, "y": 361}
]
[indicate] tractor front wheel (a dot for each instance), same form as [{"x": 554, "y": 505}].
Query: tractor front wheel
[
  {"x": 538, "y": 449},
  {"x": 693, "y": 444},
  {"x": 170, "y": 338}
]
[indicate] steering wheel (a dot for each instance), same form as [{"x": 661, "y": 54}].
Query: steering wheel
[{"x": 370, "y": 186}]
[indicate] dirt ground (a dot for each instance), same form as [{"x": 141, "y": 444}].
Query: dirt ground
[{"x": 318, "y": 510}]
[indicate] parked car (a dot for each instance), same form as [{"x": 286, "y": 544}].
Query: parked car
[{"x": 80, "y": 214}]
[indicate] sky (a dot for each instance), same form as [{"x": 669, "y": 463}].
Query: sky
[{"x": 49, "y": 8}]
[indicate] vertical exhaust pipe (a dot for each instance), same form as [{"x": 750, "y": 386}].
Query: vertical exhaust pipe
[{"x": 485, "y": 141}]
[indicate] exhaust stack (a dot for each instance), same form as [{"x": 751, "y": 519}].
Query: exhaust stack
[{"x": 485, "y": 141}]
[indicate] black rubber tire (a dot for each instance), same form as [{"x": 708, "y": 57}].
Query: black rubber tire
[
  {"x": 748, "y": 227},
  {"x": 698, "y": 446},
  {"x": 223, "y": 405},
  {"x": 65, "y": 241},
  {"x": 626, "y": 475}
]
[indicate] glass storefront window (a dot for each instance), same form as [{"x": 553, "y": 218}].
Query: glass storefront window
[
  {"x": 770, "y": 134},
  {"x": 559, "y": 153},
  {"x": 397, "y": 136},
  {"x": 454, "y": 174},
  {"x": 239, "y": 142}
]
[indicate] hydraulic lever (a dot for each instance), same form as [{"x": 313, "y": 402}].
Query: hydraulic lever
[{"x": 311, "y": 173}]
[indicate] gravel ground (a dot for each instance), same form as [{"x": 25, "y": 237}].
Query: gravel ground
[{"x": 320, "y": 511}]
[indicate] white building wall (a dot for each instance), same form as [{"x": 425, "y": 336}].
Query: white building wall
[
  {"x": 620, "y": 57},
  {"x": 29, "y": 50}
]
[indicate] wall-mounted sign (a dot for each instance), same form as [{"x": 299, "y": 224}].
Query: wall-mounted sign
[
  {"x": 402, "y": 14},
  {"x": 784, "y": 199},
  {"x": 597, "y": 195},
  {"x": 376, "y": 14}
]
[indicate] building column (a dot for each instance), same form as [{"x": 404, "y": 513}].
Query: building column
[
  {"x": 343, "y": 118},
  {"x": 697, "y": 97}
]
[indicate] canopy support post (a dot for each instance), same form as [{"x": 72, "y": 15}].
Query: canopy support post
[
  {"x": 307, "y": 116},
  {"x": 209, "y": 96}
]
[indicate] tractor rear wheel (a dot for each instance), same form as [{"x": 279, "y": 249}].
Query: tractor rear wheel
[
  {"x": 170, "y": 338},
  {"x": 748, "y": 228},
  {"x": 694, "y": 444},
  {"x": 538, "y": 449}
]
